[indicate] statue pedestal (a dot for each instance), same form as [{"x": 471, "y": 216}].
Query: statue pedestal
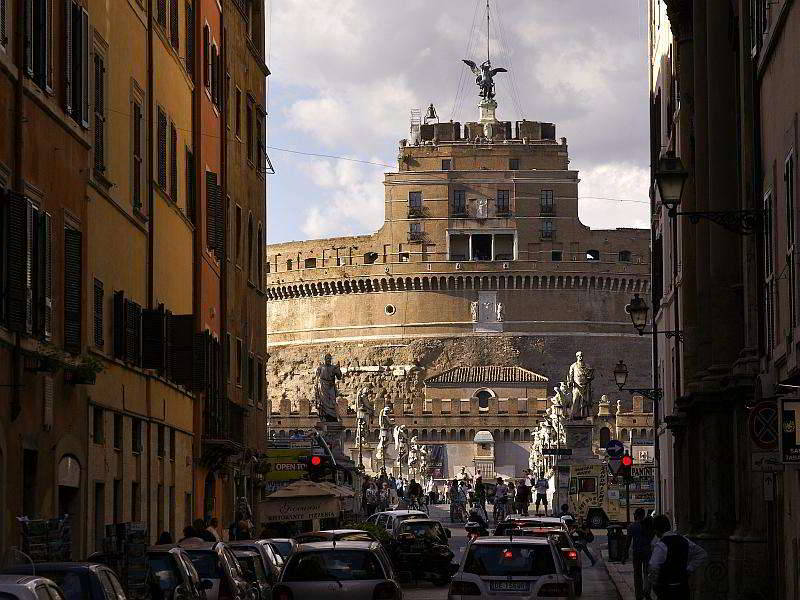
[
  {"x": 487, "y": 108},
  {"x": 579, "y": 438},
  {"x": 333, "y": 432}
]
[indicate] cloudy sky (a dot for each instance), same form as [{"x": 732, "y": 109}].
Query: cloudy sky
[{"x": 345, "y": 74}]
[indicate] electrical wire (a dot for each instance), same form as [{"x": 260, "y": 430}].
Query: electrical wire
[
  {"x": 463, "y": 77},
  {"x": 506, "y": 51}
]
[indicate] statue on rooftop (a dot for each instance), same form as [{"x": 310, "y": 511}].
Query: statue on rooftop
[
  {"x": 485, "y": 77},
  {"x": 325, "y": 390}
]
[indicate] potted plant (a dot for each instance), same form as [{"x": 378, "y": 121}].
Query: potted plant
[{"x": 85, "y": 372}]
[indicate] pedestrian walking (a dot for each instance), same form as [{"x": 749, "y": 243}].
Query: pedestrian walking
[
  {"x": 542, "y": 485},
  {"x": 523, "y": 498},
  {"x": 639, "y": 548},
  {"x": 212, "y": 529},
  {"x": 371, "y": 498},
  {"x": 201, "y": 531},
  {"x": 583, "y": 536},
  {"x": 673, "y": 561}
]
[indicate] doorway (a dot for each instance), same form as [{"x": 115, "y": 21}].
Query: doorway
[{"x": 481, "y": 247}]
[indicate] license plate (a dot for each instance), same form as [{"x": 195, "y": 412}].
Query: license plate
[{"x": 509, "y": 586}]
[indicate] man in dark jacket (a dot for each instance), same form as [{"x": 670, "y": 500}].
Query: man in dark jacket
[
  {"x": 640, "y": 536},
  {"x": 673, "y": 561},
  {"x": 523, "y": 498}
]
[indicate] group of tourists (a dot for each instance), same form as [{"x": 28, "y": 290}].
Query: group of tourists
[
  {"x": 381, "y": 492},
  {"x": 507, "y": 496}
]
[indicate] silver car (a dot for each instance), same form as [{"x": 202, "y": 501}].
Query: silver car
[
  {"x": 215, "y": 563},
  {"x": 27, "y": 587},
  {"x": 335, "y": 570}
]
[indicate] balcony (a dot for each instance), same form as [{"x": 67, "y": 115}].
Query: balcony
[
  {"x": 416, "y": 212},
  {"x": 416, "y": 237},
  {"x": 223, "y": 431}
]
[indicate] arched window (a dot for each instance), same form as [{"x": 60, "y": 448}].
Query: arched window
[
  {"x": 260, "y": 259},
  {"x": 462, "y": 435},
  {"x": 453, "y": 435},
  {"x": 516, "y": 435},
  {"x": 506, "y": 435},
  {"x": 624, "y": 256},
  {"x": 483, "y": 397},
  {"x": 526, "y": 435},
  {"x": 471, "y": 434},
  {"x": 288, "y": 264},
  {"x": 623, "y": 435},
  {"x": 250, "y": 264},
  {"x": 605, "y": 437},
  {"x": 423, "y": 435},
  {"x": 593, "y": 255}
]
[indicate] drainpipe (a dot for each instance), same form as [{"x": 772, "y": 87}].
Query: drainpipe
[{"x": 150, "y": 253}]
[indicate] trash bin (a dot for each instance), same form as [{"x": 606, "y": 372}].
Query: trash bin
[{"x": 616, "y": 543}]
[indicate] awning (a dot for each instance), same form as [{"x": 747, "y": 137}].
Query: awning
[{"x": 301, "y": 501}]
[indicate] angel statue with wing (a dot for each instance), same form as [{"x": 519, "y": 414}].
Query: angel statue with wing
[{"x": 485, "y": 77}]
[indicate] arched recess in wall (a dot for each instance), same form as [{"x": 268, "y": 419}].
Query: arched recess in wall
[
  {"x": 462, "y": 435},
  {"x": 484, "y": 396},
  {"x": 68, "y": 480},
  {"x": 453, "y": 435},
  {"x": 515, "y": 436},
  {"x": 506, "y": 435}
]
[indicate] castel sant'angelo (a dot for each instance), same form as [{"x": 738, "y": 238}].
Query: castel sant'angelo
[{"x": 465, "y": 310}]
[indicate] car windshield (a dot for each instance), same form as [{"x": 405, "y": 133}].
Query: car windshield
[
  {"x": 401, "y": 518},
  {"x": 283, "y": 548},
  {"x": 252, "y": 570},
  {"x": 74, "y": 585},
  {"x": 559, "y": 537},
  {"x": 206, "y": 563},
  {"x": 164, "y": 569},
  {"x": 428, "y": 531},
  {"x": 499, "y": 560},
  {"x": 333, "y": 565}
]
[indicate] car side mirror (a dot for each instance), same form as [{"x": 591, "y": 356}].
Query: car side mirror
[
  {"x": 447, "y": 532},
  {"x": 206, "y": 584}
]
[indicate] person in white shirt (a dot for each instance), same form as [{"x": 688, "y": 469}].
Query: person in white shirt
[
  {"x": 542, "y": 485},
  {"x": 673, "y": 561}
]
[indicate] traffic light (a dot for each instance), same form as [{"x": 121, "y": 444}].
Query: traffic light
[
  {"x": 626, "y": 463},
  {"x": 317, "y": 466}
]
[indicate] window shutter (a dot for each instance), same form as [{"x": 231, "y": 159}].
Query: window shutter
[
  {"x": 181, "y": 339},
  {"x": 99, "y": 113},
  {"x": 137, "y": 156},
  {"x": 161, "y": 14},
  {"x": 72, "y": 290},
  {"x": 84, "y": 49},
  {"x": 99, "y": 297},
  {"x": 39, "y": 40},
  {"x": 219, "y": 223},
  {"x": 29, "y": 37},
  {"x": 212, "y": 199},
  {"x": 133, "y": 324},
  {"x": 17, "y": 255},
  {"x": 45, "y": 277},
  {"x": 190, "y": 187},
  {"x": 173, "y": 163},
  {"x": 200, "y": 361},
  {"x": 162, "y": 149},
  {"x": 190, "y": 40},
  {"x": 206, "y": 57},
  {"x": 47, "y": 404},
  {"x": 68, "y": 42},
  {"x": 31, "y": 272},
  {"x": 119, "y": 324},
  {"x": 154, "y": 349},
  {"x": 3, "y": 37},
  {"x": 173, "y": 23}
]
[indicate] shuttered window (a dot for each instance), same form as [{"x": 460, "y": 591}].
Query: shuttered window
[
  {"x": 3, "y": 30},
  {"x": 18, "y": 263},
  {"x": 251, "y": 378},
  {"x": 77, "y": 64},
  {"x": 99, "y": 113},
  {"x": 249, "y": 133},
  {"x": 37, "y": 40},
  {"x": 162, "y": 149},
  {"x": 207, "y": 57},
  {"x": 161, "y": 12},
  {"x": 173, "y": 23},
  {"x": 137, "y": 156},
  {"x": 127, "y": 329},
  {"x": 190, "y": 40},
  {"x": 44, "y": 277},
  {"x": 190, "y": 186},
  {"x": 215, "y": 235},
  {"x": 260, "y": 380},
  {"x": 155, "y": 339},
  {"x": 173, "y": 163},
  {"x": 73, "y": 269},
  {"x": 99, "y": 297}
]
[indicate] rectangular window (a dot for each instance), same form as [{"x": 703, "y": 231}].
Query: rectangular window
[
  {"x": 427, "y": 406},
  {"x": 513, "y": 164},
  {"x": 446, "y": 164},
  {"x": 214, "y": 232},
  {"x": 173, "y": 23},
  {"x": 547, "y": 229},
  {"x": 789, "y": 184},
  {"x": 249, "y": 133},
  {"x": 98, "y": 430},
  {"x": 118, "y": 431},
  {"x": 238, "y": 116},
  {"x": 136, "y": 436},
  {"x": 239, "y": 362},
  {"x": 191, "y": 202},
  {"x": 173, "y": 163},
  {"x": 161, "y": 12},
  {"x": 37, "y": 40},
  {"x": 116, "y": 500},
  {"x": 160, "y": 443},
  {"x": 207, "y": 57},
  {"x": 260, "y": 383},
  {"x": 415, "y": 202},
  {"x": 522, "y": 405},
  {"x": 546, "y": 202},
  {"x": 172, "y": 435},
  {"x": 446, "y": 406},
  {"x": 459, "y": 202},
  {"x": 190, "y": 40},
  {"x": 77, "y": 64},
  {"x": 99, "y": 113},
  {"x": 261, "y": 150},
  {"x": 251, "y": 379},
  {"x": 556, "y": 256},
  {"x": 135, "y": 500},
  {"x": 137, "y": 156},
  {"x": 238, "y": 233},
  {"x": 162, "y": 149},
  {"x": 503, "y": 204},
  {"x": 464, "y": 406},
  {"x": 502, "y": 406},
  {"x": 769, "y": 272},
  {"x": 99, "y": 342},
  {"x": 228, "y": 361},
  {"x": 73, "y": 277},
  {"x": 3, "y": 30}
]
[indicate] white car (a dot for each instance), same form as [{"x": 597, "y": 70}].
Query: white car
[
  {"x": 511, "y": 567},
  {"x": 390, "y": 519},
  {"x": 26, "y": 587}
]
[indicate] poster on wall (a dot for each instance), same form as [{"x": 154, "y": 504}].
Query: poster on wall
[
  {"x": 436, "y": 460},
  {"x": 790, "y": 432}
]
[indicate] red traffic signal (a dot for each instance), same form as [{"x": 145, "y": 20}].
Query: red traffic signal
[
  {"x": 627, "y": 460},
  {"x": 316, "y": 461}
]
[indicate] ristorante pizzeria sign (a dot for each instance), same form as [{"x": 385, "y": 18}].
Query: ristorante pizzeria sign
[{"x": 300, "y": 509}]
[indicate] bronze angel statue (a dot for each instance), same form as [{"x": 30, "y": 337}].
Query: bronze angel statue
[{"x": 485, "y": 77}]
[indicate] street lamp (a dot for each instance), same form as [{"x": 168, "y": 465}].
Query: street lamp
[
  {"x": 670, "y": 179},
  {"x": 638, "y": 311},
  {"x": 621, "y": 378}
]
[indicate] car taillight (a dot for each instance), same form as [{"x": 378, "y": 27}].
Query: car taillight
[
  {"x": 282, "y": 593},
  {"x": 554, "y": 590},
  {"x": 464, "y": 588},
  {"x": 571, "y": 554},
  {"x": 385, "y": 591}
]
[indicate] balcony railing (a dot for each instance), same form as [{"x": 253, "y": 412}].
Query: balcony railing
[
  {"x": 547, "y": 210},
  {"x": 416, "y": 236},
  {"x": 416, "y": 212}
]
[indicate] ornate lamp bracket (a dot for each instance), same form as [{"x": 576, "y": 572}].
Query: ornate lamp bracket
[{"x": 743, "y": 222}]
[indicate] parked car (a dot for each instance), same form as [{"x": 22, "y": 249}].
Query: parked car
[
  {"x": 355, "y": 535},
  {"x": 254, "y": 572},
  {"x": 216, "y": 563},
  {"x": 25, "y": 587},
  {"x": 78, "y": 580},
  {"x": 172, "y": 574},
  {"x": 497, "y": 565},
  {"x": 390, "y": 519},
  {"x": 514, "y": 521},
  {"x": 335, "y": 570},
  {"x": 283, "y": 547},
  {"x": 273, "y": 562},
  {"x": 564, "y": 541}
]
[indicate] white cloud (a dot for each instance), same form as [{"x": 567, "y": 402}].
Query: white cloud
[{"x": 601, "y": 189}]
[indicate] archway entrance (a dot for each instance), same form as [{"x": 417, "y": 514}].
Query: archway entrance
[{"x": 69, "y": 487}]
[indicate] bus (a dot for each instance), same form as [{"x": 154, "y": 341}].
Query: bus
[{"x": 599, "y": 498}]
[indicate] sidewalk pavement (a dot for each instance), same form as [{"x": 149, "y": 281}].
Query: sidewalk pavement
[{"x": 621, "y": 576}]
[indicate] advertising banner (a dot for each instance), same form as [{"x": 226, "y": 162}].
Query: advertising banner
[
  {"x": 299, "y": 509},
  {"x": 436, "y": 460},
  {"x": 284, "y": 464}
]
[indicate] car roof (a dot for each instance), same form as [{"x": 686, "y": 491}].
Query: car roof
[
  {"x": 420, "y": 521},
  {"x": 400, "y": 513},
  {"x": 26, "y": 580},
  {"x": 57, "y": 566},
  {"x": 506, "y": 539},
  {"x": 204, "y": 546},
  {"x": 278, "y": 540},
  {"x": 340, "y": 531},
  {"x": 343, "y": 545},
  {"x": 239, "y": 552},
  {"x": 554, "y": 520},
  {"x": 164, "y": 548},
  {"x": 245, "y": 543}
]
